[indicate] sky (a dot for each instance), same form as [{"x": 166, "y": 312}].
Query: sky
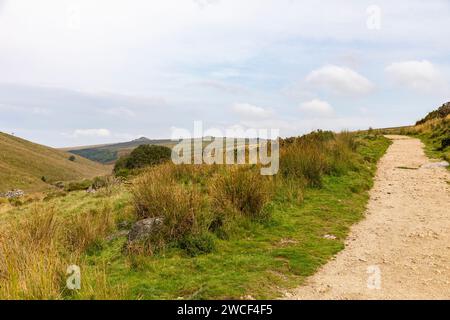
[{"x": 81, "y": 72}]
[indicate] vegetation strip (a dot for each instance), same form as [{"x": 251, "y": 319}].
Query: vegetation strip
[{"x": 231, "y": 233}]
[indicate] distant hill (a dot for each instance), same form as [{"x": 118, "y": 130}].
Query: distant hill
[
  {"x": 25, "y": 165},
  {"x": 440, "y": 113},
  {"x": 109, "y": 153}
]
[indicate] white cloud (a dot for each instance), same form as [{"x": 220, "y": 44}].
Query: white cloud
[
  {"x": 223, "y": 87},
  {"x": 91, "y": 133},
  {"x": 120, "y": 112},
  {"x": 247, "y": 110},
  {"x": 317, "y": 107},
  {"x": 416, "y": 75},
  {"x": 340, "y": 80}
]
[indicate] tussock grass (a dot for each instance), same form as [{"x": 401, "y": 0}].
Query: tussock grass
[
  {"x": 312, "y": 156},
  {"x": 156, "y": 194},
  {"x": 241, "y": 188},
  {"x": 87, "y": 229},
  {"x": 34, "y": 256}
]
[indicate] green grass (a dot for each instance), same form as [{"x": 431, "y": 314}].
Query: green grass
[
  {"x": 257, "y": 260},
  {"x": 432, "y": 134},
  {"x": 26, "y": 165}
]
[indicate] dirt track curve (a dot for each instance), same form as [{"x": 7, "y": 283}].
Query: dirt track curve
[{"x": 401, "y": 250}]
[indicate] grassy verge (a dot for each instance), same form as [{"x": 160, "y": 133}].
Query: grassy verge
[
  {"x": 257, "y": 259},
  {"x": 435, "y": 135}
]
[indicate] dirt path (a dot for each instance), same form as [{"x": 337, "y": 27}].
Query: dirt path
[{"x": 402, "y": 249}]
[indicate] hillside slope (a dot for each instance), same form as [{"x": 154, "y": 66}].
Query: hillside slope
[
  {"x": 109, "y": 153},
  {"x": 23, "y": 164},
  {"x": 441, "y": 113}
]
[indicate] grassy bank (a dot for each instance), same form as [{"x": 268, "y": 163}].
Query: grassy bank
[
  {"x": 265, "y": 248},
  {"x": 435, "y": 134}
]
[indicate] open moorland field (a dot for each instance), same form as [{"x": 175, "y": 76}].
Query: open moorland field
[
  {"x": 156, "y": 230},
  {"x": 32, "y": 167},
  {"x": 219, "y": 231}
]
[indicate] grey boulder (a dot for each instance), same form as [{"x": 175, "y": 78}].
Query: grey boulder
[{"x": 143, "y": 229}]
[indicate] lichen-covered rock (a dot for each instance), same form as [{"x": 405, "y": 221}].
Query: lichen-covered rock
[{"x": 143, "y": 229}]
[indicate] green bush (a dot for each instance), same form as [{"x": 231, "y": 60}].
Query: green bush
[
  {"x": 143, "y": 156},
  {"x": 72, "y": 158},
  {"x": 195, "y": 245},
  {"x": 78, "y": 185}
]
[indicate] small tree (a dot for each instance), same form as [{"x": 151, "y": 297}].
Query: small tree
[{"x": 143, "y": 156}]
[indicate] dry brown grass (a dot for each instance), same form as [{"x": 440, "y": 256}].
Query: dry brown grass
[
  {"x": 157, "y": 194},
  {"x": 243, "y": 189},
  {"x": 311, "y": 156},
  {"x": 23, "y": 164},
  {"x": 34, "y": 257},
  {"x": 88, "y": 229}
]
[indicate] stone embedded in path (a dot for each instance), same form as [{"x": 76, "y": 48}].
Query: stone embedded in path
[{"x": 442, "y": 164}]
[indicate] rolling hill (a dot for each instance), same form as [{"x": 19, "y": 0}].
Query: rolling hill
[
  {"x": 109, "y": 153},
  {"x": 25, "y": 165}
]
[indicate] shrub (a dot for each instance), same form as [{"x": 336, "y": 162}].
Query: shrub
[
  {"x": 243, "y": 189},
  {"x": 143, "y": 156},
  {"x": 72, "y": 158},
  {"x": 196, "y": 245},
  {"x": 78, "y": 185},
  {"x": 105, "y": 182}
]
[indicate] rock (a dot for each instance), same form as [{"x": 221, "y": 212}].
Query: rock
[
  {"x": 330, "y": 237},
  {"x": 91, "y": 190},
  {"x": 144, "y": 228},
  {"x": 13, "y": 194},
  {"x": 59, "y": 185},
  {"x": 442, "y": 164}
]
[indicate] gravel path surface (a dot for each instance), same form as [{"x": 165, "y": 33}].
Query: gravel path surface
[{"x": 401, "y": 250}]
